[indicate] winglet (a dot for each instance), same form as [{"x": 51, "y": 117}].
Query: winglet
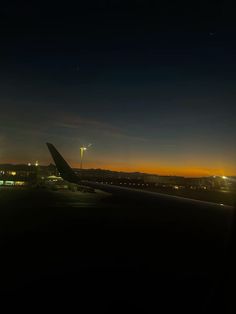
[{"x": 62, "y": 166}]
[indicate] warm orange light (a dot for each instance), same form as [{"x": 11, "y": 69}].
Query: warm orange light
[{"x": 168, "y": 171}]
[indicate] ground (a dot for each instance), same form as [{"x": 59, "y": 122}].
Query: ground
[{"x": 98, "y": 251}]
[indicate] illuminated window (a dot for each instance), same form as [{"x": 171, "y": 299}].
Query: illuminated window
[
  {"x": 19, "y": 183},
  {"x": 9, "y": 182}
]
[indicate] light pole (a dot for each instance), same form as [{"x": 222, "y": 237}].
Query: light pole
[{"x": 82, "y": 150}]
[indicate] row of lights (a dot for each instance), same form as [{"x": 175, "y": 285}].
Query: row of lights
[
  {"x": 222, "y": 177},
  {"x": 36, "y": 164},
  {"x": 138, "y": 184}
]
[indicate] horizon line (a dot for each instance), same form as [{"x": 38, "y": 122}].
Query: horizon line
[{"x": 124, "y": 171}]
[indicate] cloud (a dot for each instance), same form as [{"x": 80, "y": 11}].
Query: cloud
[
  {"x": 77, "y": 123},
  {"x": 48, "y": 125}
]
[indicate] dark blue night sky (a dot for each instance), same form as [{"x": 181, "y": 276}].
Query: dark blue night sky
[{"x": 151, "y": 86}]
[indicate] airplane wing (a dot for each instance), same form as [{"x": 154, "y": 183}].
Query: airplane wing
[
  {"x": 62, "y": 166},
  {"x": 69, "y": 175}
]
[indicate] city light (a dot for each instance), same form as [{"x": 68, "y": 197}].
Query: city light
[{"x": 224, "y": 177}]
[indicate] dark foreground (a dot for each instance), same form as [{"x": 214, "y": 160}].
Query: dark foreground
[{"x": 95, "y": 252}]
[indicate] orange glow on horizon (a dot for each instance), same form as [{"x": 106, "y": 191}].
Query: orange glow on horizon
[
  {"x": 168, "y": 171},
  {"x": 149, "y": 167}
]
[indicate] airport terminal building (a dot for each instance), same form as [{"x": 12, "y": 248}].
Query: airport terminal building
[{"x": 22, "y": 174}]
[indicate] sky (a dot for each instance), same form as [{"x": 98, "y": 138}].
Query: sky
[{"x": 150, "y": 85}]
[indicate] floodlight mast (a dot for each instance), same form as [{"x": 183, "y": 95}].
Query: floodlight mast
[{"x": 82, "y": 150}]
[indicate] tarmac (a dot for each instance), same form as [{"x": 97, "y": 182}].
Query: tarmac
[{"x": 101, "y": 252}]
